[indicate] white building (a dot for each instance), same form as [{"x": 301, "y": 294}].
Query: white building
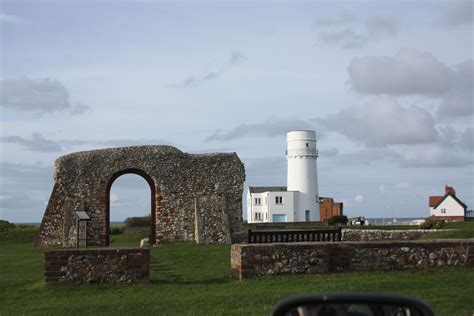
[
  {"x": 297, "y": 202},
  {"x": 447, "y": 206}
]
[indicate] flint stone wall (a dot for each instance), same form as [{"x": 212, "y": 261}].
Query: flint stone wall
[
  {"x": 194, "y": 196},
  {"x": 254, "y": 260},
  {"x": 97, "y": 266},
  {"x": 381, "y": 234}
]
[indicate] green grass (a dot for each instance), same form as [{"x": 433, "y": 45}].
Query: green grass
[
  {"x": 383, "y": 227},
  {"x": 189, "y": 279},
  {"x": 456, "y": 230}
]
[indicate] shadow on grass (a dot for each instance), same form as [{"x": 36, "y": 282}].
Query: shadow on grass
[{"x": 161, "y": 273}]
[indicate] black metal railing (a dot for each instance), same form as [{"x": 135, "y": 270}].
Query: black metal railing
[
  {"x": 273, "y": 236},
  {"x": 469, "y": 216}
]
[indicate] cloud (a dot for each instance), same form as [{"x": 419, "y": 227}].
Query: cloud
[
  {"x": 408, "y": 72},
  {"x": 12, "y": 19},
  {"x": 265, "y": 170},
  {"x": 460, "y": 13},
  {"x": 382, "y": 188},
  {"x": 402, "y": 185},
  {"x": 459, "y": 99},
  {"x": 39, "y": 143},
  {"x": 25, "y": 177},
  {"x": 195, "y": 80},
  {"x": 466, "y": 140},
  {"x": 435, "y": 156},
  {"x": 382, "y": 123},
  {"x": 36, "y": 143},
  {"x": 412, "y": 72},
  {"x": 347, "y": 31},
  {"x": 37, "y": 95},
  {"x": 344, "y": 17},
  {"x": 359, "y": 198},
  {"x": 365, "y": 156},
  {"x": 271, "y": 127}
]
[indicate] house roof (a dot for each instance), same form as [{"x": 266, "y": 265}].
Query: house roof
[
  {"x": 266, "y": 189},
  {"x": 435, "y": 199},
  {"x": 453, "y": 196}
]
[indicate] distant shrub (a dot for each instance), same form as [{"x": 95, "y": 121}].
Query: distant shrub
[
  {"x": 5, "y": 225},
  {"x": 138, "y": 221},
  {"x": 342, "y": 219},
  {"x": 433, "y": 224},
  {"x": 117, "y": 230},
  {"x": 19, "y": 233}
]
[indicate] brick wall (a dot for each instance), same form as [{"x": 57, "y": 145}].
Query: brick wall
[
  {"x": 328, "y": 208},
  {"x": 97, "y": 266},
  {"x": 255, "y": 260}
]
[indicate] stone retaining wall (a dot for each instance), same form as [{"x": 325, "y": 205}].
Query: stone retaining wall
[
  {"x": 97, "y": 266},
  {"x": 253, "y": 260},
  {"x": 381, "y": 234}
]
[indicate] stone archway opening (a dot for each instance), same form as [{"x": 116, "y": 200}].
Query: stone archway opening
[
  {"x": 198, "y": 196},
  {"x": 154, "y": 194}
]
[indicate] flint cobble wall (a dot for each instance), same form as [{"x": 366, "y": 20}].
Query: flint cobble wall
[
  {"x": 254, "y": 260},
  {"x": 194, "y": 196},
  {"x": 381, "y": 234},
  {"x": 97, "y": 266}
]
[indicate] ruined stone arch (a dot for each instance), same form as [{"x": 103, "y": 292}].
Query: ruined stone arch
[
  {"x": 155, "y": 198},
  {"x": 195, "y": 196}
]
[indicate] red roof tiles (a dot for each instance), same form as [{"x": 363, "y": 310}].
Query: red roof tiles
[{"x": 435, "y": 199}]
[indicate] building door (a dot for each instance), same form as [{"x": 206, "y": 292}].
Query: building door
[{"x": 306, "y": 215}]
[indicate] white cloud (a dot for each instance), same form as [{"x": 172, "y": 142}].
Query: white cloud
[
  {"x": 460, "y": 13},
  {"x": 402, "y": 185},
  {"x": 37, "y": 95},
  {"x": 408, "y": 72},
  {"x": 271, "y": 127},
  {"x": 435, "y": 156},
  {"x": 12, "y": 19},
  {"x": 39, "y": 143},
  {"x": 383, "y": 122},
  {"x": 359, "y": 198},
  {"x": 382, "y": 188},
  {"x": 347, "y": 31},
  {"x": 195, "y": 80},
  {"x": 412, "y": 72}
]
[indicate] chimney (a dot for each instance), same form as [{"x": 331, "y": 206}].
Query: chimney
[{"x": 449, "y": 189}]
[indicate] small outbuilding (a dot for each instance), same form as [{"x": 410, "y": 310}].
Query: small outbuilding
[{"x": 448, "y": 206}]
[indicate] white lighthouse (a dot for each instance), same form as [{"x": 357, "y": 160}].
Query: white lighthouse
[
  {"x": 299, "y": 200},
  {"x": 301, "y": 154}
]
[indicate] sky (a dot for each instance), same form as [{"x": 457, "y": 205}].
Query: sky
[{"x": 386, "y": 85}]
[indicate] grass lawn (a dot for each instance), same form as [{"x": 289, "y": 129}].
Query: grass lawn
[
  {"x": 189, "y": 279},
  {"x": 457, "y": 230}
]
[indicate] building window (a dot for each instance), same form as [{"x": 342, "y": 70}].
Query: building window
[
  {"x": 258, "y": 216},
  {"x": 306, "y": 215},
  {"x": 307, "y": 145},
  {"x": 443, "y": 211},
  {"x": 279, "y": 218},
  {"x": 278, "y": 199},
  {"x": 257, "y": 201}
]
